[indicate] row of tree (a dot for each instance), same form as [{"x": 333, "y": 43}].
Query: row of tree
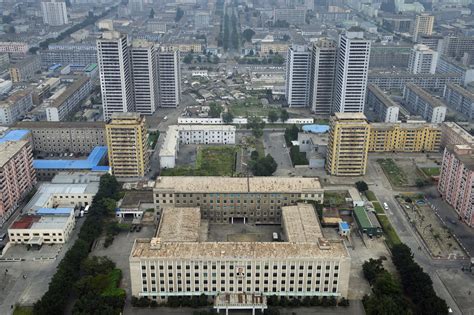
[
  {"x": 69, "y": 269},
  {"x": 174, "y": 301},
  {"x": 307, "y": 301},
  {"x": 262, "y": 166}
]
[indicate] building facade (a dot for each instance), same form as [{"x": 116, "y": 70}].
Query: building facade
[
  {"x": 17, "y": 176},
  {"x": 292, "y": 16},
  {"x": 298, "y": 71},
  {"x": 54, "y": 12},
  {"x": 384, "y": 108},
  {"x": 60, "y": 106},
  {"x": 422, "y": 60},
  {"x": 348, "y": 144},
  {"x": 77, "y": 55},
  {"x": 323, "y": 69},
  {"x": 25, "y": 69},
  {"x": 457, "y": 46},
  {"x": 404, "y": 137},
  {"x": 460, "y": 99},
  {"x": 127, "y": 142},
  {"x": 60, "y": 137},
  {"x": 113, "y": 54},
  {"x": 351, "y": 73},
  {"x": 448, "y": 65},
  {"x": 422, "y": 103},
  {"x": 145, "y": 77},
  {"x": 388, "y": 56},
  {"x": 456, "y": 181},
  {"x": 14, "y": 47},
  {"x": 15, "y": 106},
  {"x": 396, "y": 80},
  {"x": 169, "y": 78},
  {"x": 423, "y": 25}
]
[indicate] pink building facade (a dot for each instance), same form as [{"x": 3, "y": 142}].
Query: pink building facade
[
  {"x": 456, "y": 181},
  {"x": 17, "y": 175}
]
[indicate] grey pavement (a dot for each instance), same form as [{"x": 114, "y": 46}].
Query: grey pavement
[{"x": 275, "y": 145}]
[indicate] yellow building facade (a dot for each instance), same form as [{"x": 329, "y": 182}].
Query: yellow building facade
[
  {"x": 404, "y": 137},
  {"x": 348, "y": 144},
  {"x": 127, "y": 142}
]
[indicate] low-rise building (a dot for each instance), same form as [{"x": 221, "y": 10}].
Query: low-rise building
[
  {"x": 396, "y": 80},
  {"x": 384, "y": 108},
  {"x": 179, "y": 261},
  {"x": 15, "y": 106},
  {"x": 292, "y": 16},
  {"x": 134, "y": 204},
  {"x": 24, "y": 70},
  {"x": 60, "y": 137},
  {"x": 453, "y": 134},
  {"x": 367, "y": 222},
  {"x": 14, "y": 47},
  {"x": 65, "y": 101},
  {"x": 77, "y": 55},
  {"x": 422, "y": 103},
  {"x": 192, "y": 134},
  {"x": 460, "y": 99},
  {"x": 17, "y": 175},
  {"x": 456, "y": 181},
  {"x": 236, "y": 199},
  {"x": 449, "y": 65},
  {"x": 46, "y": 226},
  {"x": 404, "y": 137}
]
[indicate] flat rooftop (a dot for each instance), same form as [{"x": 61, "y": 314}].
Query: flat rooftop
[
  {"x": 179, "y": 225},
  {"x": 427, "y": 97},
  {"x": 350, "y": 116},
  {"x": 407, "y": 125},
  {"x": 381, "y": 96},
  {"x": 9, "y": 149},
  {"x": 223, "y": 184},
  {"x": 152, "y": 248},
  {"x": 300, "y": 223},
  {"x": 14, "y": 135},
  {"x": 133, "y": 198},
  {"x": 59, "y": 124},
  {"x": 91, "y": 163}
]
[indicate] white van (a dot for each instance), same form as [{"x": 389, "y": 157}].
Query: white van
[{"x": 385, "y": 206}]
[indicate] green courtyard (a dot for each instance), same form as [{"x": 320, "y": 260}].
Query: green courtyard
[{"x": 395, "y": 174}]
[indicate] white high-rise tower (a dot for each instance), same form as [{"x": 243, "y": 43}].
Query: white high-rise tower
[
  {"x": 298, "y": 72},
  {"x": 54, "y": 12},
  {"x": 145, "y": 77},
  {"x": 169, "y": 78},
  {"x": 423, "y": 60},
  {"x": 113, "y": 55},
  {"x": 351, "y": 72}
]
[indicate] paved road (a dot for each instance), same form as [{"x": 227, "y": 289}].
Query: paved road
[{"x": 274, "y": 144}]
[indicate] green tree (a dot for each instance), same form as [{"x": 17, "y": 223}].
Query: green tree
[
  {"x": 152, "y": 14},
  {"x": 371, "y": 269},
  {"x": 188, "y": 58},
  {"x": 284, "y": 116},
  {"x": 227, "y": 117},
  {"x": 361, "y": 186},
  {"x": 272, "y": 116},
  {"x": 291, "y": 134},
  {"x": 95, "y": 265},
  {"x": 264, "y": 166},
  {"x": 255, "y": 122},
  {"x": 179, "y": 14},
  {"x": 215, "y": 110},
  {"x": 247, "y": 34}
]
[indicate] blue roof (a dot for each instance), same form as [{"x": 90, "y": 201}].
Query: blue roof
[
  {"x": 14, "y": 135},
  {"x": 316, "y": 128},
  {"x": 91, "y": 162},
  {"x": 344, "y": 225},
  {"x": 54, "y": 211}
]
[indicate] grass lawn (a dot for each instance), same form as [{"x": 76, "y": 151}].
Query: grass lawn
[
  {"x": 370, "y": 195},
  {"x": 335, "y": 198},
  {"x": 396, "y": 176},
  {"x": 23, "y": 310},
  {"x": 431, "y": 171},
  {"x": 249, "y": 107},
  {"x": 216, "y": 161},
  {"x": 378, "y": 208},
  {"x": 153, "y": 138},
  {"x": 390, "y": 234}
]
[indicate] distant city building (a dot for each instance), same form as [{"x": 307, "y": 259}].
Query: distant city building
[
  {"x": 423, "y": 60},
  {"x": 453, "y": 134},
  {"x": 351, "y": 72},
  {"x": 17, "y": 176},
  {"x": 434, "y": 42},
  {"x": 449, "y": 65},
  {"x": 4, "y": 61},
  {"x": 156, "y": 26},
  {"x": 127, "y": 142},
  {"x": 292, "y": 16},
  {"x": 384, "y": 108},
  {"x": 145, "y": 77},
  {"x": 456, "y": 181},
  {"x": 64, "y": 102},
  {"x": 398, "y": 24},
  {"x": 348, "y": 144},
  {"x": 202, "y": 19},
  {"x": 116, "y": 84},
  {"x": 457, "y": 46},
  {"x": 460, "y": 99},
  {"x": 389, "y": 56},
  {"x": 15, "y": 106},
  {"x": 169, "y": 78},
  {"x": 423, "y": 25},
  {"x": 192, "y": 134},
  {"x": 396, "y": 80},
  {"x": 77, "y": 55},
  {"x": 54, "y": 12},
  {"x": 422, "y": 103},
  {"x": 60, "y": 137},
  {"x": 24, "y": 70},
  {"x": 323, "y": 70},
  {"x": 404, "y": 137},
  {"x": 135, "y": 6},
  {"x": 298, "y": 70},
  {"x": 14, "y": 47}
]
